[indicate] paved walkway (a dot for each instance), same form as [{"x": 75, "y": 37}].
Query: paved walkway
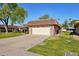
[{"x": 18, "y": 46}]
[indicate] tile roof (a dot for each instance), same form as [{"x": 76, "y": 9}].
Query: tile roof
[
  {"x": 43, "y": 22},
  {"x": 9, "y": 26}
]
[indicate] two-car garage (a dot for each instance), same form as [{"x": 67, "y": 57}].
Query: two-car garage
[
  {"x": 43, "y": 27},
  {"x": 41, "y": 30}
]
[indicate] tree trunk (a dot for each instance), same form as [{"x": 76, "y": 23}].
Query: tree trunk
[
  {"x": 5, "y": 23},
  {"x": 6, "y": 28}
]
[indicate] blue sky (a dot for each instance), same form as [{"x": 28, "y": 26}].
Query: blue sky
[{"x": 54, "y": 10}]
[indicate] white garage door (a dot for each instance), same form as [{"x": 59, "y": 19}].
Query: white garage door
[{"x": 41, "y": 30}]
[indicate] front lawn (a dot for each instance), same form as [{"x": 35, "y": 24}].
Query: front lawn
[
  {"x": 7, "y": 35},
  {"x": 57, "y": 46}
]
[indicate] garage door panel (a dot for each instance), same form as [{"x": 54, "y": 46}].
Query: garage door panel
[{"x": 41, "y": 30}]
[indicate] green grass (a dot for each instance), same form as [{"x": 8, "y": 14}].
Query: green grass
[
  {"x": 57, "y": 45},
  {"x": 7, "y": 35}
]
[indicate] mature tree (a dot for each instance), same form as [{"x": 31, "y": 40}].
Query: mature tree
[
  {"x": 44, "y": 17},
  {"x": 11, "y": 12}
]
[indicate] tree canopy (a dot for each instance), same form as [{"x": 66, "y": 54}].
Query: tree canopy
[
  {"x": 11, "y": 12},
  {"x": 65, "y": 24},
  {"x": 73, "y": 21},
  {"x": 44, "y": 17}
]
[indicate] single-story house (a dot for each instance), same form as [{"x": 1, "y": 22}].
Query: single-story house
[
  {"x": 13, "y": 28},
  {"x": 10, "y": 28},
  {"x": 76, "y": 26},
  {"x": 43, "y": 27},
  {"x": 23, "y": 29}
]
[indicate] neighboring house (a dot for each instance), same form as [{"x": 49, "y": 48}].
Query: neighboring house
[
  {"x": 23, "y": 29},
  {"x": 76, "y": 26},
  {"x": 10, "y": 28},
  {"x": 13, "y": 28},
  {"x": 43, "y": 27}
]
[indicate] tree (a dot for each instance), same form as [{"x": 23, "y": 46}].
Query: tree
[
  {"x": 44, "y": 17},
  {"x": 11, "y": 12},
  {"x": 73, "y": 21},
  {"x": 65, "y": 24}
]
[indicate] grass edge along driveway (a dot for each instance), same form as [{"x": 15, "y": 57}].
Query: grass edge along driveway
[
  {"x": 7, "y": 35},
  {"x": 57, "y": 46}
]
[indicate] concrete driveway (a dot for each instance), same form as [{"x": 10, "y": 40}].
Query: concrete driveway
[{"x": 18, "y": 46}]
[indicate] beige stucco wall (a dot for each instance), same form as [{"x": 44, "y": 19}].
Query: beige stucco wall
[
  {"x": 41, "y": 30},
  {"x": 77, "y": 30},
  {"x": 30, "y": 30},
  {"x": 52, "y": 32}
]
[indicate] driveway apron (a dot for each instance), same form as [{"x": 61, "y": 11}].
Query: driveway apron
[{"x": 18, "y": 46}]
